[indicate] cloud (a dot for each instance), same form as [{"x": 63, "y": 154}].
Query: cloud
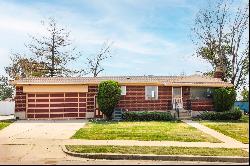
[{"x": 139, "y": 30}]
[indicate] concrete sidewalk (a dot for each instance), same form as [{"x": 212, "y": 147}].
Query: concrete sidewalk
[
  {"x": 212, "y": 132},
  {"x": 118, "y": 143}
]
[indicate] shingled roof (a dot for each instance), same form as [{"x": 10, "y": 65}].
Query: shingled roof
[{"x": 193, "y": 80}]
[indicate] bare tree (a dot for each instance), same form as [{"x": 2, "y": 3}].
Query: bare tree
[
  {"x": 94, "y": 63},
  {"x": 50, "y": 54},
  {"x": 221, "y": 37}
]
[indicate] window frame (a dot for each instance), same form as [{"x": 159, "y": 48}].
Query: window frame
[
  {"x": 156, "y": 93},
  {"x": 123, "y": 91},
  {"x": 206, "y": 91}
]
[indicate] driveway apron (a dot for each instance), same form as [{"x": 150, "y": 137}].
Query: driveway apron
[{"x": 38, "y": 129}]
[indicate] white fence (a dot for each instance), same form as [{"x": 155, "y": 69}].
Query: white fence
[{"x": 7, "y": 107}]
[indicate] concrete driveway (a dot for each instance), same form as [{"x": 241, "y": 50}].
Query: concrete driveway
[
  {"x": 42, "y": 129},
  {"x": 36, "y": 130}
]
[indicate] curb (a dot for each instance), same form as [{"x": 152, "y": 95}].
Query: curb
[{"x": 113, "y": 156}]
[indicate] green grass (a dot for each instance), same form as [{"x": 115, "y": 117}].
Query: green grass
[
  {"x": 4, "y": 124},
  {"x": 157, "y": 150},
  {"x": 144, "y": 131},
  {"x": 238, "y": 130}
]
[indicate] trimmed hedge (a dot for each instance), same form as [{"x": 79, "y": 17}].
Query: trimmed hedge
[
  {"x": 147, "y": 116},
  {"x": 108, "y": 96},
  {"x": 228, "y": 115}
]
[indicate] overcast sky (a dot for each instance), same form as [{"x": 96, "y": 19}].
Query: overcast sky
[{"x": 151, "y": 37}]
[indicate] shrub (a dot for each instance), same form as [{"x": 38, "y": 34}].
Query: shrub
[
  {"x": 108, "y": 96},
  {"x": 224, "y": 99},
  {"x": 228, "y": 115},
  {"x": 147, "y": 116}
]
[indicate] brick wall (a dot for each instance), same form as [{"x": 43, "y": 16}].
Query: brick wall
[
  {"x": 20, "y": 100},
  {"x": 185, "y": 95},
  {"x": 197, "y": 105},
  {"x": 202, "y": 105},
  {"x": 134, "y": 100},
  {"x": 92, "y": 92}
]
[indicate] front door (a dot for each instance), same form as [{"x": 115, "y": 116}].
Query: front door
[
  {"x": 177, "y": 97},
  {"x": 98, "y": 113}
]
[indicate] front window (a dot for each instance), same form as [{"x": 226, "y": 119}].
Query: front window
[
  {"x": 151, "y": 92},
  {"x": 200, "y": 93},
  {"x": 123, "y": 89}
]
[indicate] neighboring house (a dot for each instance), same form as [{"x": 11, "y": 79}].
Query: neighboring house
[
  {"x": 7, "y": 107},
  {"x": 65, "y": 98},
  {"x": 243, "y": 105}
]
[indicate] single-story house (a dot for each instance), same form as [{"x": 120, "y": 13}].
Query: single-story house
[{"x": 65, "y": 98}]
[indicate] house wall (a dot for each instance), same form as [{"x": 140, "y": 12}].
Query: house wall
[
  {"x": 54, "y": 88},
  {"x": 134, "y": 100},
  {"x": 197, "y": 105},
  {"x": 20, "y": 103},
  {"x": 92, "y": 92}
]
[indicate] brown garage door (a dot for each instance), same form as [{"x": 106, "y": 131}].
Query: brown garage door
[{"x": 56, "y": 105}]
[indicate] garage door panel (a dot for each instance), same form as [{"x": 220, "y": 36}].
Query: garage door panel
[
  {"x": 82, "y": 109},
  {"x": 57, "y": 110},
  {"x": 71, "y": 115},
  {"x": 42, "y": 100},
  {"x": 31, "y": 100},
  {"x": 57, "y": 95},
  {"x": 41, "y": 110},
  {"x": 42, "y": 105},
  {"x": 71, "y": 100},
  {"x": 82, "y": 95},
  {"x": 31, "y": 95},
  {"x": 41, "y": 115},
  {"x": 31, "y": 105},
  {"x": 30, "y": 110},
  {"x": 57, "y": 100},
  {"x": 42, "y": 95},
  {"x": 56, "y": 106},
  {"x": 56, "y": 115},
  {"x": 82, "y": 115},
  {"x": 82, "y": 104},
  {"x": 31, "y": 116},
  {"x": 83, "y": 100},
  {"x": 70, "y": 104},
  {"x": 71, "y": 110},
  {"x": 71, "y": 94}
]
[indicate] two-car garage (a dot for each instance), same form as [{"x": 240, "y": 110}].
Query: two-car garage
[
  {"x": 55, "y": 102},
  {"x": 56, "y": 105}
]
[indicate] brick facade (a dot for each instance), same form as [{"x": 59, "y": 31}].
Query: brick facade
[
  {"x": 134, "y": 100},
  {"x": 196, "y": 105},
  {"x": 202, "y": 105},
  {"x": 83, "y": 105},
  {"x": 20, "y": 100}
]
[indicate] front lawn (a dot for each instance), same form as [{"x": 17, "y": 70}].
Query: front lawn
[
  {"x": 4, "y": 124},
  {"x": 144, "y": 131},
  {"x": 238, "y": 130},
  {"x": 157, "y": 150}
]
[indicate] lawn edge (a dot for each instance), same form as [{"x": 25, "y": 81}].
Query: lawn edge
[{"x": 113, "y": 156}]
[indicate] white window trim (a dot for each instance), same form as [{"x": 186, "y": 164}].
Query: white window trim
[
  {"x": 173, "y": 91},
  {"x": 123, "y": 93},
  {"x": 157, "y": 93}
]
